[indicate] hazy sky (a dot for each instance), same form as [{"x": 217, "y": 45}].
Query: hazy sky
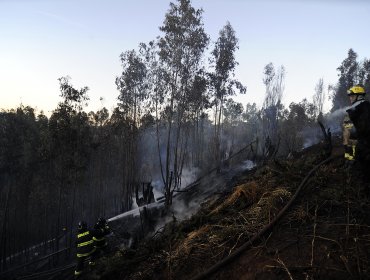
[{"x": 42, "y": 40}]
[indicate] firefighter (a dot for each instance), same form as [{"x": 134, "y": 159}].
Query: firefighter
[
  {"x": 101, "y": 229},
  {"x": 356, "y": 129},
  {"x": 349, "y": 140},
  {"x": 85, "y": 247}
]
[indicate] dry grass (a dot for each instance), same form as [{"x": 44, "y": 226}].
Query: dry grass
[
  {"x": 298, "y": 214},
  {"x": 192, "y": 239},
  {"x": 271, "y": 202},
  {"x": 247, "y": 192},
  {"x": 214, "y": 240}
]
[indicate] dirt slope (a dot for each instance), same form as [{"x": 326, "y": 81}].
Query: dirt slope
[{"x": 324, "y": 235}]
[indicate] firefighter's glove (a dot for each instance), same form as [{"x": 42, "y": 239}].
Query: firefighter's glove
[{"x": 348, "y": 153}]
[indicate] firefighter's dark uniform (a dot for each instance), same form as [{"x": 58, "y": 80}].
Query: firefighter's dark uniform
[
  {"x": 85, "y": 249},
  {"x": 100, "y": 231},
  {"x": 359, "y": 114},
  {"x": 356, "y": 133}
]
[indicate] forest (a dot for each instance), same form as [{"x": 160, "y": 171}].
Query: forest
[{"x": 175, "y": 115}]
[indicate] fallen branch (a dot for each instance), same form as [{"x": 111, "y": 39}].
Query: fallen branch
[
  {"x": 285, "y": 267},
  {"x": 300, "y": 268},
  {"x": 314, "y": 235},
  {"x": 328, "y": 239}
]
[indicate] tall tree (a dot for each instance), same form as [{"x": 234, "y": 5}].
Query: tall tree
[
  {"x": 233, "y": 114},
  {"x": 364, "y": 74},
  {"x": 272, "y": 106},
  {"x": 222, "y": 81},
  {"x": 319, "y": 98},
  {"x": 181, "y": 48},
  {"x": 70, "y": 138},
  {"x": 348, "y": 76},
  {"x": 72, "y": 97},
  {"x": 133, "y": 88},
  {"x": 298, "y": 118},
  {"x": 199, "y": 102}
]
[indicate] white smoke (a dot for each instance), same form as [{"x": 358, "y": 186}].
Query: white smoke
[
  {"x": 188, "y": 176},
  {"x": 310, "y": 141},
  {"x": 134, "y": 204},
  {"x": 180, "y": 210},
  {"x": 311, "y": 136},
  {"x": 248, "y": 165},
  {"x": 334, "y": 120},
  {"x": 158, "y": 189}
]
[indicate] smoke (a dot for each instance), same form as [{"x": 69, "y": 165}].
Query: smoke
[
  {"x": 149, "y": 166},
  {"x": 182, "y": 209},
  {"x": 184, "y": 205},
  {"x": 188, "y": 176},
  {"x": 134, "y": 204},
  {"x": 335, "y": 119},
  {"x": 158, "y": 189},
  {"x": 247, "y": 165},
  {"x": 332, "y": 121},
  {"x": 198, "y": 158},
  {"x": 311, "y": 136}
]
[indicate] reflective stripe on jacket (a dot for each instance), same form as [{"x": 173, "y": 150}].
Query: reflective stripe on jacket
[
  {"x": 85, "y": 244},
  {"x": 99, "y": 236},
  {"x": 349, "y": 138}
]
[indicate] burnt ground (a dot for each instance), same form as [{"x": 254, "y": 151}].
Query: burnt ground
[{"x": 325, "y": 234}]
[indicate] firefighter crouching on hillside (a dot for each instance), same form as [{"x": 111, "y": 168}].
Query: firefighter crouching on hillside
[
  {"x": 101, "y": 229},
  {"x": 356, "y": 131},
  {"x": 85, "y": 248}
]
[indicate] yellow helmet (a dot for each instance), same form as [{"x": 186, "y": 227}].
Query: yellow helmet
[{"x": 356, "y": 90}]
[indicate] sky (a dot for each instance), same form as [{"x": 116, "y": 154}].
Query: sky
[{"x": 43, "y": 40}]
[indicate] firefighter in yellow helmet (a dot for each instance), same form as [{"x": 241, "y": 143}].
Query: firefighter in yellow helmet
[{"x": 356, "y": 129}]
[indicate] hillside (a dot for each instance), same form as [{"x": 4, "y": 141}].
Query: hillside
[{"x": 325, "y": 234}]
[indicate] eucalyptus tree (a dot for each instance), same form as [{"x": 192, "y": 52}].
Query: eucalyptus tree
[
  {"x": 222, "y": 79},
  {"x": 298, "y": 126},
  {"x": 73, "y": 98},
  {"x": 319, "y": 98},
  {"x": 70, "y": 135},
  {"x": 251, "y": 117},
  {"x": 251, "y": 113},
  {"x": 199, "y": 103},
  {"x": 233, "y": 112},
  {"x": 133, "y": 88},
  {"x": 364, "y": 74},
  {"x": 180, "y": 50},
  {"x": 233, "y": 127},
  {"x": 272, "y": 106},
  {"x": 100, "y": 136},
  {"x": 20, "y": 162},
  {"x": 348, "y": 76}
]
